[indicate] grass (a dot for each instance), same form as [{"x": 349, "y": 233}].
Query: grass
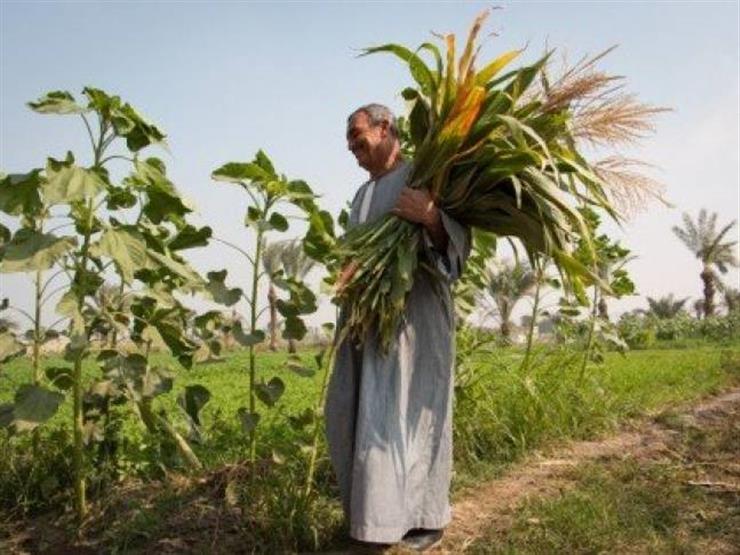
[
  {"x": 652, "y": 505},
  {"x": 500, "y": 416},
  {"x": 504, "y": 414}
]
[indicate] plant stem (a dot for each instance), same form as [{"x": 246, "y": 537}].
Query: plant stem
[
  {"x": 79, "y": 479},
  {"x": 532, "y": 323},
  {"x": 252, "y": 354},
  {"x": 37, "y": 329},
  {"x": 317, "y": 411},
  {"x": 590, "y": 339}
]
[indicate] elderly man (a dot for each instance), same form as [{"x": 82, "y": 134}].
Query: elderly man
[{"x": 389, "y": 417}]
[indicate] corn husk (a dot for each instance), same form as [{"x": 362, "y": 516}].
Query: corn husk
[{"x": 498, "y": 151}]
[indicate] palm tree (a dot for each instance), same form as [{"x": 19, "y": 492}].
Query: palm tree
[
  {"x": 666, "y": 307},
  {"x": 730, "y": 297},
  {"x": 703, "y": 239},
  {"x": 288, "y": 256},
  {"x": 506, "y": 284},
  {"x": 698, "y": 306}
]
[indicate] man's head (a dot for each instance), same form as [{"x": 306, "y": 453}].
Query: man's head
[{"x": 372, "y": 136}]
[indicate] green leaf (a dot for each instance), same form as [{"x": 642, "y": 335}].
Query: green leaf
[
  {"x": 300, "y": 369},
  {"x": 10, "y": 347},
  {"x": 238, "y": 172},
  {"x": 34, "y": 405},
  {"x": 164, "y": 203},
  {"x": 294, "y": 328},
  {"x": 138, "y": 131},
  {"x": 127, "y": 248},
  {"x": 193, "y": 399},
  {"x": 247, "y": 339},
  {"x": 264, "y": 162},
  {"x": 219, "y": 292},
  {"x": 419, "y": 70},
  {"x": 179, "y": 269},
  {"x": 126, "y": 121},
  {"x": 320, "y": 240},
  {"x": 57, "y": 102},
  {"x": 120, "y": 197},
  {"x": 29, "y": 251},
  {"x": 189, "y": 237},
  {"x": 248, "y": 419},
  {"x": 278, "y": 222},
  {"x": 60, "y": 376},
  {"x": 270, "y": 392},
  {"x": 20, "y": 193},
  {"x": 66, "y": 184}
]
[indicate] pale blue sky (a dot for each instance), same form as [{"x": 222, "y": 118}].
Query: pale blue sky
[{"x": 226, "y": 78}]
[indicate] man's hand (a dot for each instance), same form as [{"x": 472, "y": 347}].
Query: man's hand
[
  {"x": 417, "y": 206},
  {"x": 344, "y": 276}
]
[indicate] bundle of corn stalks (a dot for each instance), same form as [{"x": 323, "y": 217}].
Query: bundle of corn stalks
[{"x": 500, "y": 152}]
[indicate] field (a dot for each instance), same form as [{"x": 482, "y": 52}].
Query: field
[{"x": 501, "y": 416}]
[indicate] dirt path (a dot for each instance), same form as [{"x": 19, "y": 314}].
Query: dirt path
[{"x": 543, "y": 474}]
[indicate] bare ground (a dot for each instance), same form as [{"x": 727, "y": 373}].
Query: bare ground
[{"x": 546, "y": 474}]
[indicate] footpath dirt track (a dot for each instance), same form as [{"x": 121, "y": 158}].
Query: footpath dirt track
[{"x": 543, "y": 474}]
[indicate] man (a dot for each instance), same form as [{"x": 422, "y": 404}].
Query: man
[{"x": 389, "y": 417}]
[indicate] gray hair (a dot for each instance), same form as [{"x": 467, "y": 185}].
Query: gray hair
[{"x": 377, "y": 113}]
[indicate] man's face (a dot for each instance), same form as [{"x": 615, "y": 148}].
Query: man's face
[{"x": 366, "y": 141}]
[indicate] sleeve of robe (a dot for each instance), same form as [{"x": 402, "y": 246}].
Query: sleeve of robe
[{"x": 451, "y": 263}]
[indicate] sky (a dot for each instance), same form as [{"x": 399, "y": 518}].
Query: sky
[{"x": 224, "y": 79}]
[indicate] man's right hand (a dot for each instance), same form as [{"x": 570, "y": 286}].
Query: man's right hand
[{"x": 345, "y": 275}]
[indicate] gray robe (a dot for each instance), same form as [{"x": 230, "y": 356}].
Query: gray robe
[{"x": 389, "y": 418}]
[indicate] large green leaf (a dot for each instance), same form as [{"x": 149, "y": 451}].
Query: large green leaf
[
  {"x": 320, "y": 240},
  {"x": 247, "y": 339},
  {"x": 66, "y": 184},
  {"x": 189, "y": 237},
  {"x": 57, "y": 102},
  {"x": 126, "y": 121},
  {"x": 30, "y": 250},
  {"x": 270, "y": 392},
  {"x": 219, "y": 292},
  {"x": 238, "y": 172},
  {"x": 20, "y": 193},
  {"x": 127, "y": 248},
  {"x": 294, "y": 328},
  {"x": 34, "y": 405},
  {"x": 60, "y": 376},
  {"x": 171, "y": 327},
  {"x": 180, "y": 269}
]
